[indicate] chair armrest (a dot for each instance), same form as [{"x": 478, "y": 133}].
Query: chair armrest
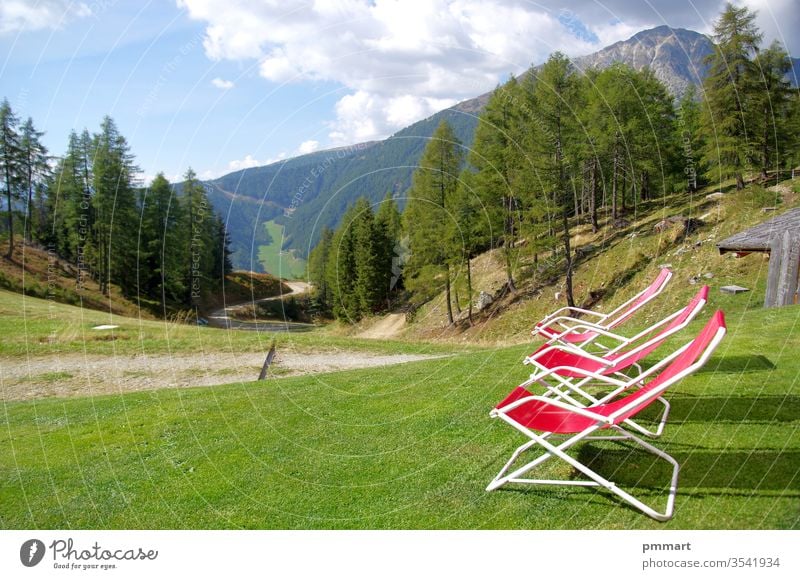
[
  {"x": 551, "y": 402},
  {"x": 569, "y": 311},
  {"x": 539, "y": 376},
  {"x": 582, "y": 353}
]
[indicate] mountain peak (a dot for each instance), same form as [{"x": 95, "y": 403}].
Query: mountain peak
[{"x": 675, "y": 55}]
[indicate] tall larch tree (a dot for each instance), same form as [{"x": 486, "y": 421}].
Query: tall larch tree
[
  {"x": 9, "y": 165},
  {"x": 428, "y": 214},
  {"x": 33, "y": 168},
  {"x": 728, "y": 120}
]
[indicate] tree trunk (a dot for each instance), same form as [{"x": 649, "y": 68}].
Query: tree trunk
[
  {"x": 593, "y": 197},
  {"x": 447, "y": 295},
  {"x": 509, "y": 244},
  {"x": 469, "y": 289},
  {"x": 455, "y": 300},
  {"x": 10, "y": 251},
  {"x": 614, "y": 185},
  {"x": 29, "y": 212}
]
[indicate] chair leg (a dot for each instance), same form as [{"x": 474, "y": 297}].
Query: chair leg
[{"x": 552, "y": 450}]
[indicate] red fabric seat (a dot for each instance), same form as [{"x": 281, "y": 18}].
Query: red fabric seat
[
  {"x": 542, "y": 416},
  {"x": 555, "y": 358}
]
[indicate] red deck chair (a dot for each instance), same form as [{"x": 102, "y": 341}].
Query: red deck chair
[
  {"x": 572, "y": 368},
  {"x": 558, "y": 325},
  {"x": 541, "y": 418}
]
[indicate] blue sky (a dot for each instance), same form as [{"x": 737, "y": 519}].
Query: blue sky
[{"x": 226, "y": 84}]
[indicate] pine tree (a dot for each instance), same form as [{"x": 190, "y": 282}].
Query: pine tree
[
  {"x": 114, "y": 203},
  {"x": 341, "y": 269},
  {"x": 728, "y": 90},
  {"x": 9, "y": 165},
  {"x": 160, "y": 234},
  {"x": 318, "y": 270},
  {"x": 388, "y": 223},
  {"x": 427, "y": 216},
  {"x": 690, "y": 137},
  {"x": 33, "y": 168},
  {"x": 772, "y": 108},
  {"x": 200, "y": 233},
  {"x": 554, "y": 136},
  {"x": 472, "y": 229},
  {"x": 496, "y": 156},
  {"x": 368, "y": 246}
]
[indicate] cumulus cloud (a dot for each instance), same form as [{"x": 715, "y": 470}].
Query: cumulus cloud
[
  {"x": 26, "y": 16},
  {"x": 403, "y": 60},
  {"x": 222, "y": 84},
  {"x": 308, "y": 147},
  {"x": 246, "y": 163}
]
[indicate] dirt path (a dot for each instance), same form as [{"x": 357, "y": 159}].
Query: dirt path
[
  {"x": 220, "y": 318},
  {"x": 388, "y": 327},
  {"x": 77, "y": 375}
]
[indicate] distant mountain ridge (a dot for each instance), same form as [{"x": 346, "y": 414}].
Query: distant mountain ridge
[{"x": 309, "y": 192}]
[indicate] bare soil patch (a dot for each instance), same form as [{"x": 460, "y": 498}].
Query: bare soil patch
[{"x": 77, "y": 375}]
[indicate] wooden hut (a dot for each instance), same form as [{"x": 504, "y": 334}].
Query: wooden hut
[{"x": 780, "y": 238}]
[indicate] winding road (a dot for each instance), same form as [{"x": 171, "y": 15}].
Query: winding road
[{"x": 220, "y": 318}]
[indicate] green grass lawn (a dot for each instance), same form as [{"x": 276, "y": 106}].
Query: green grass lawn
[
  {"x": 401, "y": 447},
  {"x": 283, "y": 264},
  {"x": 32, "y": 327}
]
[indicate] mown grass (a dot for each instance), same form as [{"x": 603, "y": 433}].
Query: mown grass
[{"x": 401, "y": 447}]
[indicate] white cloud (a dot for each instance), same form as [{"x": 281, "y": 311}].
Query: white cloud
[
  {"x": 27, "y": 16},
  {"x": 222, "y": 84},
  {"x": 399, "y": 60},
  {"x": 308, "y": 147},
  {"x": 246, "y": 163}
]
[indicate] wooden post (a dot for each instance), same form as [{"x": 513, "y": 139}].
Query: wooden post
[{"x": 267, "y": 362}]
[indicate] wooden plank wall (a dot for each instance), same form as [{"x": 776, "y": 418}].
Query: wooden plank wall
[{"x": 784, "y": 268}]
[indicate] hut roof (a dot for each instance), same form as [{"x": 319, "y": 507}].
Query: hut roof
[{"x": 760, "y": 237}]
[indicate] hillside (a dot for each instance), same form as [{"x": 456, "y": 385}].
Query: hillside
[
  {"x": 612, "y": 266},
  {"x": 306, "y": 193},
  {"x": 37, "y": 273}
]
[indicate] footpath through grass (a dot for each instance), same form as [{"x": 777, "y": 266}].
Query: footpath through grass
[{"x": 402, "y": 447}]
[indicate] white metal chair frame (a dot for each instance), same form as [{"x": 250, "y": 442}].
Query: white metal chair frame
[
  {"x": 552, "y": 450},
  {"x": 566, "y": 385},
  {"x": 616, "y": 316}
]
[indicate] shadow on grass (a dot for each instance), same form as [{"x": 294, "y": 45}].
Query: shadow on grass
[
  {"x": 739, "y": 364},
  {"x": 753, "y": 471},
  {"x": 734, "y": 408}
]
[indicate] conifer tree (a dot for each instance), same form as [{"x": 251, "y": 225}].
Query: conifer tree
[
  {"x": 368, "y": 247},
  {"x": 160, "y": 234},
  {"x": 33, "y": 168},
  {"x": 495, "y": 154},
  {"x": 428, "y": 214},
  {"x": 341, "y": 269},
  {"x": 554, "y": 137},
  {"x": 388, "y": 224},
  {"x": 772, "y": 104},
  {"x": 9, "y": 165},
  {"x": 200, "y": 232},
  {"x": 318, "y": 269},
  {"x": 114, "y": 202},
  {"x": 689, "y": 137},
  {"x": 728, "y": 89}
]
